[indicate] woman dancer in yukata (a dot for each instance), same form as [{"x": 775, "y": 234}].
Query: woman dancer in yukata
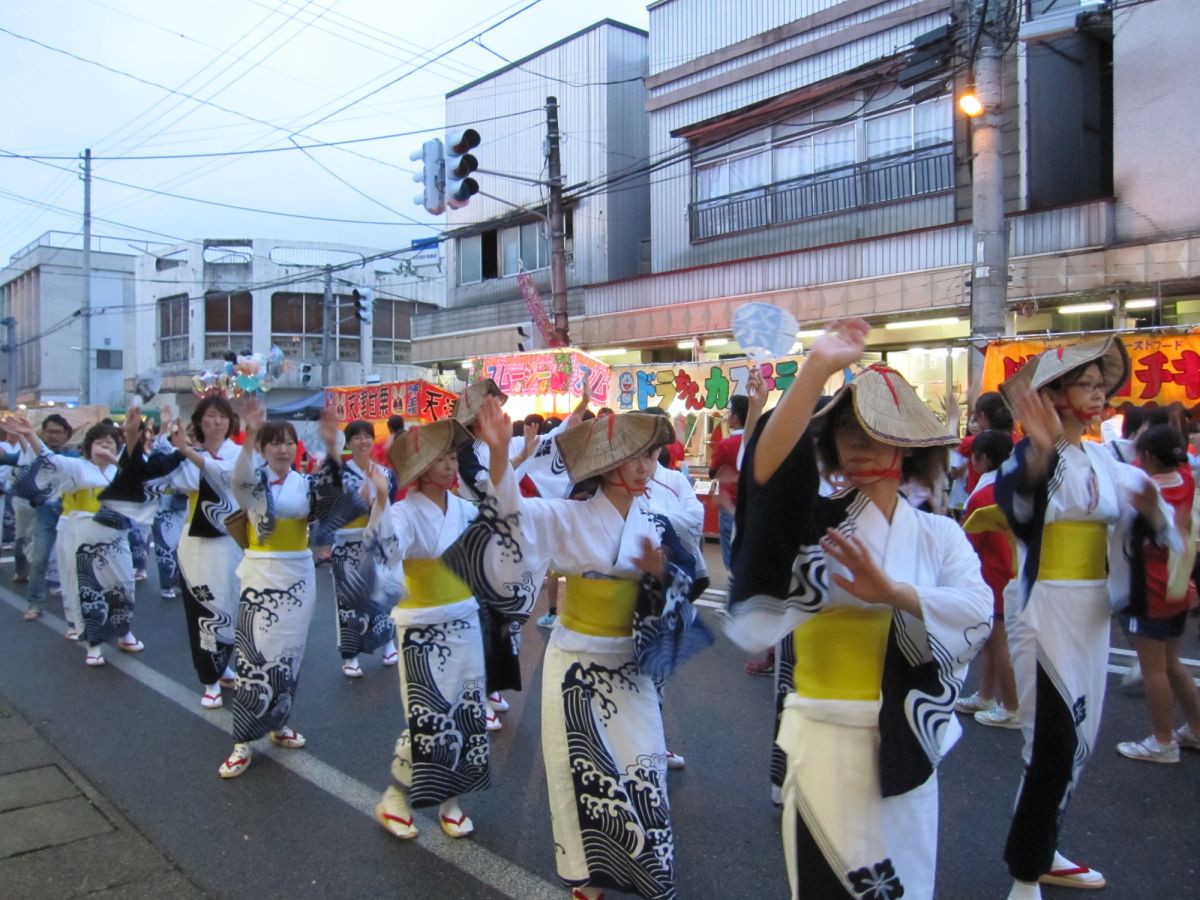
[
  {"x": 208, "y": 556},
  {"x": 885, "y": 606},
  {"x": 1071, "y": 506},
  {"x": 363, "y": 621},
  {"x": 624, "y": 623},
  {"x": 277, "y": 574},
  {"x": 104, "y": 495},
  {"x": 443, "y": 753}
]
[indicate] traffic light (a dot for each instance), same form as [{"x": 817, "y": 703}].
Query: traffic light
[
  {"x": 459, "y": 164},
  {"x": 432, "y": 177},
  {"x": 364, "y": 303},
  {"x": 305, "y": 374}
]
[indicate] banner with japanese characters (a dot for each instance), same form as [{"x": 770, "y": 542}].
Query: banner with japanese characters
[
  {"x": 417, "y": 401},
  {"x": 545, "y": 372},
  {"x": 691, "y": 387},
  {"x": 1165, "y": 367}
]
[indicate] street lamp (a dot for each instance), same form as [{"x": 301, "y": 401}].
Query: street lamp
[{"x": 970, "y": 104}]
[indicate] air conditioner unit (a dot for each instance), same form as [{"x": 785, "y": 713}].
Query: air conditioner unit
[{"x": 1051, "y": 26}]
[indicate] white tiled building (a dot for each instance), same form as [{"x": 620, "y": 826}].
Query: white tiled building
[{"x": 596, "y": 76}]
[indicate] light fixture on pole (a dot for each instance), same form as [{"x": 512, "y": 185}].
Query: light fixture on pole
[{"x": 969, "y": 103}]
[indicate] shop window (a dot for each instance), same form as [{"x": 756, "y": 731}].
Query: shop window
[{"x": 227, "y": 323}]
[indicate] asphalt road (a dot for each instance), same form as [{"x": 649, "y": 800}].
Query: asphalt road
[{"x": 298, "y": 823}]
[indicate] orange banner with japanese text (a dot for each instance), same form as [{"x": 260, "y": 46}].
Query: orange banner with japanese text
[
  {"x": 1164, "y": 367},
  {"x": 417, "y": 401}
]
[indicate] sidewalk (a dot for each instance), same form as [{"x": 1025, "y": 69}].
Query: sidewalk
[{"x": 59, "y": 838}]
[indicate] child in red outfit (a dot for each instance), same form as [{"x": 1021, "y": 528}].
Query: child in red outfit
[
  {"x": 995, "y": 703},
  {"x": 1156, "y": 615}
]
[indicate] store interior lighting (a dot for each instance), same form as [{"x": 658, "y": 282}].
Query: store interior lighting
[
  {"x": 715, "y": 342},
  {"x": 1076, "y": 309},
  {"x": 810, "y": 333},
  {"x": 608, "y": 351},
  {"x": 1147, "y": 303},
  {"x": 921, "y": 323},
  {"x": 684, "y": 345}
]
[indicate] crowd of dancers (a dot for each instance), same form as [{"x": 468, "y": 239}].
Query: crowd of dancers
[{"x": 873, "y": 603}]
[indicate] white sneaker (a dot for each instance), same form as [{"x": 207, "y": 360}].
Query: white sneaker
[
  {"x": 973, "y": 704},
  {"x": 998, "y": 717},
  {"x": 1149, "y": 750},
  {"x": 1186, "y": 739}
]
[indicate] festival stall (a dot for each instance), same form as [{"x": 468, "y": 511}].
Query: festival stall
[
  {"x": 420, "y": 402},
  {"x": 547, "y": 382},
  {"x": 1165, "y": 365}
]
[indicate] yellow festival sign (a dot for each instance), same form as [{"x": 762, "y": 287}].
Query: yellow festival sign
[{"x": 1165, "y": 367}]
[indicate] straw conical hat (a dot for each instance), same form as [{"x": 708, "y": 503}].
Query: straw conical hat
[
  {"x": 1050, "y": 365},
  {"x": 603, "y": 443},
  {"x": 890, "y": 411},
  {"x": 467, "y": 406},
  {"x": 416, "y": 449}
]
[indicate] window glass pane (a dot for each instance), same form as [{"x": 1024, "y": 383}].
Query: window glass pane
[
  {"x": 833, "y": 148},
  {"x": 470, "y": 260},
  {"x": 381, "y": 352},
  {"x": 314, "y": 304},
  {"x": 712, "y": 181},
  {"x": 240, "y": 309},
  {"x": 384, "y": 310},
  {"x": 349, "y": 349},
  {"x": 216, "y": 313},
  {"x": 933, "y": 122},
  {"x": 793, "y": 160},
  {"x": 529, "y": 245},
  {"x": 748, "y": 172},
  {"x": 886, "y": 135},
  {"x": 510, "y": 252},
  {"x": 287, "y": 314}
]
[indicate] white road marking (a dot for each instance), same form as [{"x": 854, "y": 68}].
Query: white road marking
[{"x": 467, "y": 856}]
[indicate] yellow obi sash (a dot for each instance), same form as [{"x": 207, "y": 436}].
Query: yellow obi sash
[
  {"x": 1074, "y": 551},
  {"x": 193, "y": 502},
  {"x": 288, "y": 535},
  {"x": 431, "y": 583},
  {"x": 600, "y": 607},
  {"x": 839, "y": 653},
  {"x": 360, "y": 522},
  {"x": 82, "y": 500}
]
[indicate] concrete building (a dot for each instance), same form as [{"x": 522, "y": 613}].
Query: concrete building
[
  {"x": 199, "y": 300},
  {"x": 790, "y": 166},
  {"x": 42, "y": 289},
  {"x": 596, "y": 75}
]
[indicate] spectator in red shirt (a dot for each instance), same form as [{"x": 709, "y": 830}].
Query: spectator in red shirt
[
  {"x": 379, "y": 453},
  {"x": 724, "y": 468},
  {"x": 995, "y": 703},
  {"x": 990, "y": 413}
]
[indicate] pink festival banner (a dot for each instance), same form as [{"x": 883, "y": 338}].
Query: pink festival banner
[{"x": 561, "y": 372}]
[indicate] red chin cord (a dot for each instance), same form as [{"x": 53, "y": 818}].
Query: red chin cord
[
  {"x": 623, "y": 485},
  {"x": 876, "y": 475},
  {"x": 444, "y": 485}
]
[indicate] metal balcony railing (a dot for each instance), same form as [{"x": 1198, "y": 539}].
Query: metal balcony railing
[{"x": 929, "y": 170}]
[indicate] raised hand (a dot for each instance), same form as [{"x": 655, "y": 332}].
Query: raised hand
[
  {"x": 1039, "y": 419},
  {"x": 494, "y": 427},
  {"x": 651, "y": 560},
  {"x": 756, "y": 390},
  {"x": 869, "y": 583},
  {"x": 132, "y": 428},
  {"x": 842, "y": 343},
  {"x": 254, "y": 416},
  {"x": 329, "y": 429}
]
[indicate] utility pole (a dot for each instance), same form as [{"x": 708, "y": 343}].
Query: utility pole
[
  {"x": 10, "y": 348},
  {"x": 85, "y": 309},
  {"x": 558, "y": 235},
  {"x": 989, "y": 270},
  {"x": 328, "y": 317}
]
